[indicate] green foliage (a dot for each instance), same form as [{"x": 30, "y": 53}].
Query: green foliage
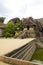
[
  {"x": 16, "y": 34},
  {"x": 9, "y": 29},
  {"x": 38, "y": 55},
  {"x": 7, "y": 34},
  {"x": 18, "y": 26},
  {"x": 2, "y": 19}
]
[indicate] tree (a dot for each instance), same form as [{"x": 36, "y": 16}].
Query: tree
[
  {"x": 2, "y": 19},
  {"x": 9, "y": 29},
  {"x": 18, "y": 26}
]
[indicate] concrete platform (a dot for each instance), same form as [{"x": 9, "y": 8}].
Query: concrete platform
[{"x": 8, "y": 45}]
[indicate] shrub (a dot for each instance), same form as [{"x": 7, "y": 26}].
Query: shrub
[
  {"x": 16, "y": 34},
  {"x": 9, "y": 29},
  {"x": 7, "y": 34}
]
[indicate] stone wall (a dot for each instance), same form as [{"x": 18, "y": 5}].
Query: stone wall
[{"x": 16, "y": 61}]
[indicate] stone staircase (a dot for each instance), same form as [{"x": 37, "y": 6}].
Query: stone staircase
[
  {"x": 22, "y": 34},
  {"x": 25, "y": 52},
  {"x": 22, "y": 55},
  {"x": 26, "y": 34}
]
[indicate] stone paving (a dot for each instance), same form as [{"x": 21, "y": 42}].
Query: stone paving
[
  {"x": 8, "y": 45},
  {"x": 3, "y": 63}
]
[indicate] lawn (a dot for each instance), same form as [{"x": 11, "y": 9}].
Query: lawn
[{"x": 38, "y": 55}]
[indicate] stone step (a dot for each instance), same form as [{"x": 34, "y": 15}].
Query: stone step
[
  {"x": 17, "y": 53},
  {"x": 28, "y": 57},
  {"x": 23, "y": 52},
  {"x": 27, "y": 53}
]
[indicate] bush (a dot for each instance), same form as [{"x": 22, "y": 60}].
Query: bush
[
  {"x": 9, "y": 29},
  {"x": 7, "y": 34},
  {"x": 16, "y": 34},
  {"x": 18, "y": 26}
]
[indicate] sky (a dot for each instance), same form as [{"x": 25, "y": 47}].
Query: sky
[{"x": 21, "y": 8}]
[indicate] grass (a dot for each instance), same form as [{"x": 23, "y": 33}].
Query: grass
[{"x": 38, "y": 55}]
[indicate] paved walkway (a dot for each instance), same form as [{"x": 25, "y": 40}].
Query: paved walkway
[
  {"x": 7, "y": 45},
  {"x": 3, "y": 63}
]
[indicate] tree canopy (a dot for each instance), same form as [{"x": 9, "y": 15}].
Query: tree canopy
[
  {"x": 18, "y": 26},
  {"x": 10, "y": 28},
  {"x": 2, "y": 19}
]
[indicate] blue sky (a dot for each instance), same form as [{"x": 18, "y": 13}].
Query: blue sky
[{"x": 21, "y": 8}]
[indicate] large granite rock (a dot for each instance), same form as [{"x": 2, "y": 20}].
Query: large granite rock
[
  {"x": 31, "y": 23},
  {"x": 15, "y": 20},
  {"x": 28, "y": 22}
]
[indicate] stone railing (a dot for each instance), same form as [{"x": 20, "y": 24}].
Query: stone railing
[{"x": 17, "y": 61}]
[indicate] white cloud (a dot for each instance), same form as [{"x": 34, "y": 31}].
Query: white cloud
[{"x": 21, "y": 8}]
